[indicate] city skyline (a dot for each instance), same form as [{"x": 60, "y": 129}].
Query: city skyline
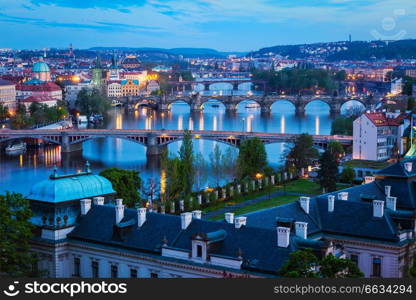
[{"x": 221, "y": 25}]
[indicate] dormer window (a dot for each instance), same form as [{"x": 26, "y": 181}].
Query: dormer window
[{"x": 198, "y": 251}]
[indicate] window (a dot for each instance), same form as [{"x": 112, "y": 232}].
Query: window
[
  {"x": 133, "y": 273},
  {"x": 376, "y": 267},
  {"x": 77, "y": 267},
  {"x": 114, "y": 271},
  {"x": 94, "y": 269},
  {"x": 198, "y": 251},
  {"x": 154, "y": 275},
  {"x": 354, "y": 258}
]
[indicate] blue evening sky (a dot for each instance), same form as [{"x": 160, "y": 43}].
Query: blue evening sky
[{"x": 227, "y": 25}]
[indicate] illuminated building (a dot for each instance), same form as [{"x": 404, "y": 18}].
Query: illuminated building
[
  {"x": 8, "y": 94},
  {"x": 130, "y": 87},
  {"x": 130, "y": 62}
]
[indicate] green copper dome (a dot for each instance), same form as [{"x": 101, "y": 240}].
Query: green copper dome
[
  {"x": 40, "y": 66},
  {"x": 70, "y": 187}
]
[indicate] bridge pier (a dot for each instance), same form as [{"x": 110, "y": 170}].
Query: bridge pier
[
  {"x": 152, "y": 147},
  {"x": 235, "y": 86},
  {"x": 300, "y": 110},
  {"x": 230, "y": 107},
  {"x": 335, "y": 108},
  {"x": 206, "y": 86},
  {"x": 265, "y": 108},
  {"x": 67, "y": 147},
  {"x": 163, "y": 107}
]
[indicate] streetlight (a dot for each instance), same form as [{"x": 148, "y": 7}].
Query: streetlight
[{"x": 244, "y": 123}]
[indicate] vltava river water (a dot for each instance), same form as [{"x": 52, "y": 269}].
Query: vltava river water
[{"x": 19, "y": 173}]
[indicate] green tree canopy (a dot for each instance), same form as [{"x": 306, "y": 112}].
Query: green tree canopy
[
  {"x": 92, "y": 102},
  {"x": 126, "y": 183},
  {"x": 4, "y": 113},
  {"x": 328, "y": 173},
  {"x": 15, "y": 232},
  {"x": 252, "y": 158},
  {"x": 186, "y": 157},
  {"x": 347, "y": 175},
  {"x": 305, "y": 264},
  {"x": 336, "y": 149},
  {"x": 302, "y": 154},
  {"x": 342, "y": 126}
]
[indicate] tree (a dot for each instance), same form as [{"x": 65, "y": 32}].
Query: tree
[
  {"x": 217, "y": 166},
  {"x": 126, "y": 183},
  {"x": 305, "y": 264},
  {"x": 347, "y": 175},
  {"x": 336, "y": 149},
  {"x": 16, "y": 231},
  {"x": 328, "y": 173},
  {"x": 342, "y": 126},
  {"x": 301, "y": 264},
  {"x": 230, "y": 164},
  {"x": 302, "y": 154},
  {"x": 333, "y": 267},
  {"x": 186, "y": 156},
  {"x": 92, "y": 102},
  {"x": 252, "y": 158},
  {"x": 200, "y": 170},
  {"x": 4, "y": 113},
  {"x": 412, "y": 269},
  {"x": 411, "y": 103}
]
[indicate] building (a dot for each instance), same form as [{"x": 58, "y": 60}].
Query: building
[
  {"x": 152, "y": 86},
  {"x": 41, "y": 71},
  {"x": 130, "y": 87},
  {"x": 97, "y": 74},
  {"x": 162, "y": 69},
  {"x": 378, "y": 135},
  {"x": 8, "y": 94},
  {"x": 131, "y": 62},
  {"x": 114, "y": 89},
  {"x": 114, "y": 72},
  {"x": 38, "y": 88},
  {"x": 72, "y": 89},
  {"x": 396, "y": 86},
  {"x": 83, "y": 232}
]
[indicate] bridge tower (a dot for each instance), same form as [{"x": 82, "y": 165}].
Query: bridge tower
[{"x": 196, "y": 103}]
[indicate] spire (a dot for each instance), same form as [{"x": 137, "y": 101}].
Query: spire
[
  {"x": 87, "y": 167},
  {"x": 98, "y": 62},
  {"x": 114, "y": 61}
]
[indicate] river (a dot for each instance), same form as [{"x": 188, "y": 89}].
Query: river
[{"x": 19, "y": 173}]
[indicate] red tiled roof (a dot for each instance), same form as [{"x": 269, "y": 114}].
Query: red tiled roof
[
  {"x": 46, "y": 87},
  {"x": 380, "y": 119}
]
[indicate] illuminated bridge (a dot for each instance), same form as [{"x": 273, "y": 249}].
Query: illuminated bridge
[{"x": 156, "y": 140}]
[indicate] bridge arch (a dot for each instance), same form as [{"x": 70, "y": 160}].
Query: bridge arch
[
  {"x": 56, "y": 140},
  {"x": 248, "y": 101},
  {"x": 274, "y": 103},
  {"x": 353, "y": 103},
  {"x": 179, "y": 101},
  {"x": 315, "y": 101}
]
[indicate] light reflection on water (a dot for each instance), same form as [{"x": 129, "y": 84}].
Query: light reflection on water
[{"x": 19, "y": 173}]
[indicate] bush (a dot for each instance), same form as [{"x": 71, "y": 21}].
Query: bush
[{"x": 347, "y": 175}]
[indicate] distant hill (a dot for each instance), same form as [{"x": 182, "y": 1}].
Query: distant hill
[
  {"x": 343, "y": 50},
  {"x": 185, "y": 52}
]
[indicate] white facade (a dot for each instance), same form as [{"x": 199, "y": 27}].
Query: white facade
[
  {"x": 375, "y": 142},
  {"x": 114, "y": 90},
  {"x": 72, "y": 91}
]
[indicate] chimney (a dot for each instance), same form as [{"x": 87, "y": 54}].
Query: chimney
[
  {"x": 85, "y": 206},
  {"x": 119, "y": 210},
  {"x": 141, "y": 216},
  {"x": 98, "y": 200},
  {"x": 283, "y": 236},
  {"x": 196, "y": 214},
  {"x": 186, "y": 219},
  {"x": 378, "y": 208},
  {"x": 229, "y": 218},
  {"x": 343, "y": 196},
  {"x": 304, "y": 203},
  {"x": 331, "y": 203},
  {"x": 408, "y": 166},
  {"x": 301, "y": 229},
  {"x": 387, "y": 190},
  {"x": 240, "y": 222},
  {"x": 391, "y": 202}
]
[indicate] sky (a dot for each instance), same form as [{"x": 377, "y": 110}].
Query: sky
[{"x": 225, "y": 25}]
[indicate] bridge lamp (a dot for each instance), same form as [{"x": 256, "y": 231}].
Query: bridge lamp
[
  {"x": 259, "y": 176},
  {"x": 197, "y": 136}
]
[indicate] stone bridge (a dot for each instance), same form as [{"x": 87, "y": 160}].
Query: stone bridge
[
  {"x": 155, "y": 140},
  {"x": 196, "y": 101}
]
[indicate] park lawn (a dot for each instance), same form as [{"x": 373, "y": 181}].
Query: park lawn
[
  {"x": 305, "y": 186},
  {"x": 276, "y": 201},
  {"x": 222, "y": 204}
]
